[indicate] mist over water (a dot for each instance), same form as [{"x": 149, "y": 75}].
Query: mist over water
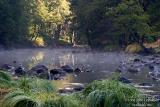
[{"x": 103, "y": 64}]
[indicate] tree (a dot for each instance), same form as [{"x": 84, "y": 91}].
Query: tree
[
  {"x": 130, "y": 20},
  {"x": 26, "y": 20}
]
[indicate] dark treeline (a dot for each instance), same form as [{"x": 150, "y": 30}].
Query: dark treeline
[
  {"x": 98, "y": 23},
  {"x": 118, "y": 22}
]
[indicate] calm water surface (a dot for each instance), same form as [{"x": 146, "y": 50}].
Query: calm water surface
[{"x": 102, "y": 63}]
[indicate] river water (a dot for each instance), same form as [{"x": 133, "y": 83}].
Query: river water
[{"x": 103, "y": 64}]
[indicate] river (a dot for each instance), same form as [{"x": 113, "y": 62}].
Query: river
[{"x": 103, "y": 64}]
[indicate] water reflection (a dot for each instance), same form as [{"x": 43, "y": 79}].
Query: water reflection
[
  {"x": 103, "y": 64},
  {"x": 34, "y": 60}
]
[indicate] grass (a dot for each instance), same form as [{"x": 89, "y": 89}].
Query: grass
[
  {"x": 5, "y": 80},
  {"x": 109, "y": 93},
  {"x": 34, "y": 92},
  {"x": 19, "y": 99}
]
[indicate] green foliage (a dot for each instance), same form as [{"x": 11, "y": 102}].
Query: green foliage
[
  {"x": 130, "y": 19},
  {"x": 22, "y": 21},
  {"x": 35, "y": 85},
  {"x": 111, "y": 93},
  {"x": 65, "y": 101},
  {"x": 32, "y": 92},
  {"x": 18, "y": 99},
  {"x": 110, "y": 85},
  {"x": 5, "y": 80},
  {"x": 116, "y": 22}
]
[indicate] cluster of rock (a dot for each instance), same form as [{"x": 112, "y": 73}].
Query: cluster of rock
[
  {"x": 139, "y": 63},
  {"x": 42, "y": 71}
]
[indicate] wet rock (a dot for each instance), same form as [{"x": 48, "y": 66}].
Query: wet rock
[
  {"x": 147, "y": 51},
  {"x": 146, "y": 85},
  {"x": 40, "y": 71},
  {"x": 124, "y": 80},
  {"x": 77, "y": 70},
  {"x": 89, "y": 70},
  {"x": 157, "y": 98},
  {"x": 151, "y": 67},
  {"x": 57, "y": 74},
  {"x": 151, "y": 74},
  {"x": 67, "y": 68},
  {"x": 57, "y": 71},
  {"x": 136, "y": 60},
  {"x": 73, "y": 87},
  {"x": 133, "y": 70},
  {"x": 7, "y": 67},
  {"x": 20, "y": 71},
  {"x": 57, "y": 77},
  {"x": 65, "y": 90}
]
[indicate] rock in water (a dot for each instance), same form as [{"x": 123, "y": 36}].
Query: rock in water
[
  {"x": 57, "y": 71},
  {"x": 133, "y": 70},
  {"x": 57, "y": 74},
  {"x": 146, "y": 85},
  {"x": 40, "y": 68},
  {"x": 40, "y": 71},
  {"x": 7, "y": 67},
  {"x": 71, "y": 88},
  {"x": 67, "y": 68},
  {"x": 20, "y": 71},
  {"x": 124, "y": 80},
  {"x": 137, "y": 60},
  {"x": 77, "y": 70}
]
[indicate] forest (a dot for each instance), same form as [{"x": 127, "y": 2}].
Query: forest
[
  {"x": 79, "y": 53},
  {"x": 97, "y": 23}
]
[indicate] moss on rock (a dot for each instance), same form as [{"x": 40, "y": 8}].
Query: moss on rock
[{"x": 134, "y": 48}]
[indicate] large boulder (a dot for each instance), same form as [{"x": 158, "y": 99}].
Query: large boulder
[
  {"x": 57, "y": 74},
  {"x": 77, "y": 70},
  {"x": 39, "y": 68},
  {"x": 20, "y": 71},
  {"x": 40, "y": 71},
  {"x": 67, "y": 68},
  {"x": 57, "y": 71}
]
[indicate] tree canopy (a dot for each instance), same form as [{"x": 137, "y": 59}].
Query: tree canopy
[{"x": 98, "y": 23}]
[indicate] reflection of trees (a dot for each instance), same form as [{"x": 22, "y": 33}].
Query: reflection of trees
[
  {"x": 68, "y": 59},
  {"x": 35, "y": 59}
]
